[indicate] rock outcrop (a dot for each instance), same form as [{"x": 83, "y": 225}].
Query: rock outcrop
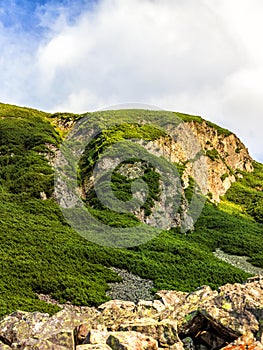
[
  {"x": 226, "y": 157},
  {"x": 203, "y": 154},
  {"x": 229, "y": 318}
]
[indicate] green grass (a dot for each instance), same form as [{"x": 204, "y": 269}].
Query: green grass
[
  {"x": 7, "y": 110},
  {"x": 190, "y": 118},
  {"x": 24, "y": 144},
  {"x": 40, "y": 253}
]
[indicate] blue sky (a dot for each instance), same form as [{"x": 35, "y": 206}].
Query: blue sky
[
  {"x": 201, "y": 57},
  {"x": 25, "y": 15}
]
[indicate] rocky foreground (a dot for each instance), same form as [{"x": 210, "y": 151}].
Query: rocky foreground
[{"x": 230, "y": 318}]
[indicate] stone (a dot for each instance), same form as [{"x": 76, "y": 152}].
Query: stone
[
  {"x": 63, "y": 338},
  {"x": 150, "y": 307},
  {"x": 158, "y": 306},
  {"x": 176, "y": 346},
  {"x": 144, "y": 304},
  {"x": 117, "y": 304},
  {"x": 170, "y": 298},
  {"x": 67, "y": 319},
  {"x": 96, "y": 337},
  {"x": 203, "y": 329},
  {"x": 20, "y": 325},
  {"x": 188, "y": 343},
  {"x": 131, "y": 341},
  {"x": 244, "y": 342},
  {"x": 165, "y": 332},
  {"x": 45, "y": 345},
  {"x": 81, "y": 333},
  {"x": 229, "y": 318},
  {"x": 93, "y": 347}
]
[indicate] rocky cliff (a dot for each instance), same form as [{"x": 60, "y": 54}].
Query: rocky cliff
[
  {"x": 208, "y": 160},
  {"x": 228, "y": 318},
  {"x": 226, "y": 157}
]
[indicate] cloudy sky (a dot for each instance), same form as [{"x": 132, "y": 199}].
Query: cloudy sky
[{"x": 203, "y": 57}]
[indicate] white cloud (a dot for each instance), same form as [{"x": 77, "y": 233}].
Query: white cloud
[{"x": 203, "y": 57}]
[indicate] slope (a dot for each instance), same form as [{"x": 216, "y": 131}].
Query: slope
[{"x": 40, "y": 253}]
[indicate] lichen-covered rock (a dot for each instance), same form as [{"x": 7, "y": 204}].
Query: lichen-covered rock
[
  {"x": 244, "y": 342},
  {"x": 96, "y": 337},
  {"x": 176, "y": 346},
  {"x": 205, "y": 319},
  {"x": 20, "y": 325},
  {"x": 170, "y": 298},
  {"x": 93, "y": 347},
  {"x": 131, "y": 341},
  {"x": 117, "y": 304},
  {"x": 188, "y": 343},
  {"x": 147, "y": 308},
  {"x": 63, "y": 338},
  {"x": 59, "y": 340},
  {"x": 45, "y": 345},
  {"x": 165, "y": 332},
  {"x": 67, "y": 319}
]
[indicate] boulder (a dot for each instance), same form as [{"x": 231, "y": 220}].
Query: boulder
[
  {"x": 96, "y": 337},
  {"x": 230, "y": 318},
  {"x": 44, "y": 345},
  {"x": 80, "y": 333},
  {"x": 63, "y": 338},
  {"x": 117, "y": 304},
  {"x": 244, "y": 342},
  {"x": 170, "y": 298},
  {"x": 21, "y": 325},
  {"x": 93, "y": 347},
  {"x": 203, "y": 329},
  {"x": 131, "y": 341},
  {"x": 149, "y": 307},
  {"x": 165, "y": 332}
]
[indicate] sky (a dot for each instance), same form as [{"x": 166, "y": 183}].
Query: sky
[{"x": 200, "y": 57}]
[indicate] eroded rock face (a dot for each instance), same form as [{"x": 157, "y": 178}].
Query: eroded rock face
[
  {"x": 213, "y": 159},
  {"x": 223, "y": 155},
  {"x": 226, "y": 155},
  {"x": 229, "y": 318}
]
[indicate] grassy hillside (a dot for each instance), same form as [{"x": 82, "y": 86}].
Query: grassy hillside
[{"x": 40, "y": 253}]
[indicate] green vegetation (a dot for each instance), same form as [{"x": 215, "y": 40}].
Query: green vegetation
[
  {"x": 40, "y": 253},
  {"x": 121, "y": 184},
  {"x": 248, "y": 193},
  {"x": 24, "y": 146},
  {"x": 224, "y": 176},
  {"x": 110, "y": 136},
  {"x": 212, "y": 154},
  {"x": 7, "y": 110},
  {"x": 190, "y": 118}
]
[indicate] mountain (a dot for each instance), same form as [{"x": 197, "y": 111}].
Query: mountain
[{"x": 217, "y": 198}]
